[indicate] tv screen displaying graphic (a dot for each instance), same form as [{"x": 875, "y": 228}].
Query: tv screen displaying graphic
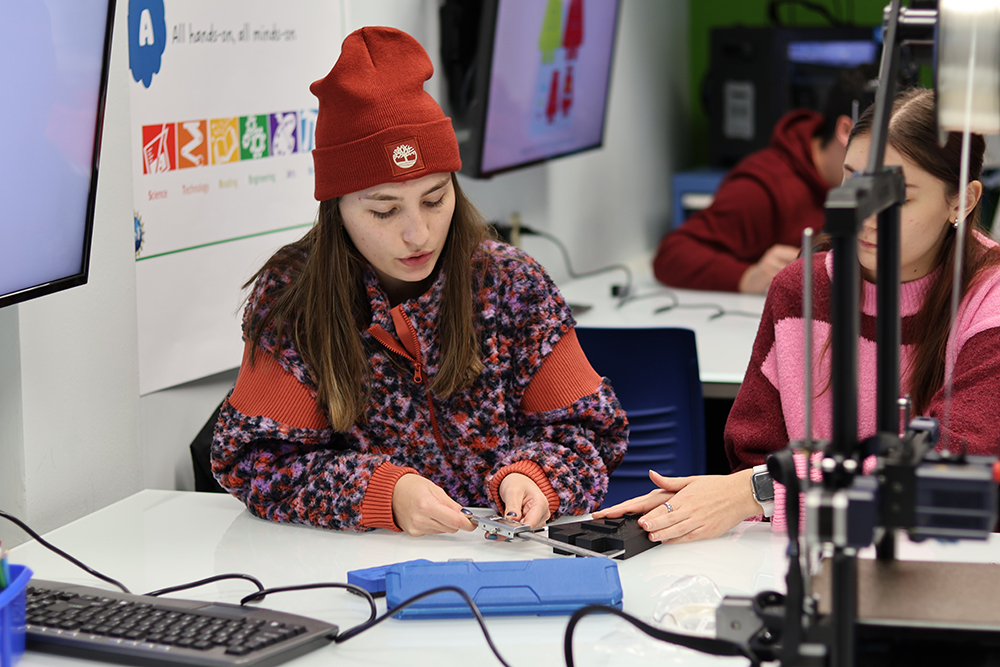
[
  {"x": 541, "y": 80},
  {"x": 54, "y": 81}
]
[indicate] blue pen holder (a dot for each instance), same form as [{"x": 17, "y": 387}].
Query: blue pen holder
[{"x": 12, "y": 623}]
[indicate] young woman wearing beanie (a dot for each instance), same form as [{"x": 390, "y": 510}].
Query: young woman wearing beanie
[
  {"x": 399, "y": 365},
  {"x": 768, "y": 411}
]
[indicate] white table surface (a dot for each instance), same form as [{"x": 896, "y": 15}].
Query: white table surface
[
  {"x": 161, "y": 538},
  {"x": 156, "y": 539},
  {"x": 724, "y": 343}
]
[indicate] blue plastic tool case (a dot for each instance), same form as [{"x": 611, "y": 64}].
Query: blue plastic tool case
[
  {"x": 541, "y": 587},
  {"x": 372, "y": 579}
]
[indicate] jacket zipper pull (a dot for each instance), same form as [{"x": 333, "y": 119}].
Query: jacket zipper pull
[{"x": 418, "y": 375}]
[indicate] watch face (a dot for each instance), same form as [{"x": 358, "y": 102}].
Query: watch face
[{"x": 763, "y": 487}]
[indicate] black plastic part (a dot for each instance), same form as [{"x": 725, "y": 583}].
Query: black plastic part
[{"x": 604, "y": 535}]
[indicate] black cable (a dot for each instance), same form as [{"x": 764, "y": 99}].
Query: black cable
[
  {"x": 208, "y": 580},
  {"x": 353, "y": 632},
  {"x": 504, "y": 232},
  {"x": 652, "y": 295},
  {"x": 38, "y": 538},
  {"x": 772, "y": 11},
  {"x": 719, "y": 310},
  {"x": 691, "y": 306},
  {"x": 350, "y": 588},
  {"x": 586, "y": 274},
  {"x": 707, "y": 645},
  {"x": 741, "y": 313},
  {"x": 837, "y": 9}
]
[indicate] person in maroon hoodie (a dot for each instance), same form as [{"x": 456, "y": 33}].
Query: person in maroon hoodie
[{"x": 754, "y": 226}]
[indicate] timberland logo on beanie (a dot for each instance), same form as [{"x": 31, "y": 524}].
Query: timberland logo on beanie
[
  {"x": 404, "y": 156},
  {"x": 376, "y": 123}
]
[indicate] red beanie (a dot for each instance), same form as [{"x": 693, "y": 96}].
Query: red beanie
[{"x": 376, "y": 124}]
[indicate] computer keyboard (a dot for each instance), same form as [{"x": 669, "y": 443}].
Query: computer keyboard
[{"x": 94, "y": 623}]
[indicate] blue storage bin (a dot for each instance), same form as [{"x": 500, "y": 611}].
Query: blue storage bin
[
  {"x": 698, "y": 184},
  {"x": 12, "y": 623}
]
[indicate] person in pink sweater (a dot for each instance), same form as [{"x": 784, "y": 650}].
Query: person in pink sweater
[{"x": 769, "y": 409}]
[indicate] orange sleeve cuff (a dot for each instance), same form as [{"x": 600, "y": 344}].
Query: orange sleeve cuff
[
  {"x": 532, "y": 470},
  {"x": 376, "y": 508},
  {"x": 564, "y": 377}
]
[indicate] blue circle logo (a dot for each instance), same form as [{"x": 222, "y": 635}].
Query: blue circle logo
[{"x": 140, "y": 235}]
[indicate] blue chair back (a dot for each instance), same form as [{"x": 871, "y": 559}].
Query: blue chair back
[{"x": 655, "y": 375}]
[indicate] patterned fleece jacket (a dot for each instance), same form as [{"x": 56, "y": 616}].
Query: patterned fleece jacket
[
  {"x": 538, "y": 408},
  {"x": 769, "y": 409}
]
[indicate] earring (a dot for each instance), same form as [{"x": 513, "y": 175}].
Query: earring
[{"x": 953, "y": 223}]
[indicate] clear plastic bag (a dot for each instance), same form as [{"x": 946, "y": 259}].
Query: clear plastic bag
[{"x": 689, "y": 606}]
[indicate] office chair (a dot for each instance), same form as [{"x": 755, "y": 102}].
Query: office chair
[
  {"x": 655, "y": 375},
  {"x": 201, "y": 456}
]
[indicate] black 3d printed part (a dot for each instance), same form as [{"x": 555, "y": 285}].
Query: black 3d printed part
[{"x": 605, "y": 535}]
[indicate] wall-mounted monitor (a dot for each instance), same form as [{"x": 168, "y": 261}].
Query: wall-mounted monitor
[
  {"x": 537, "y": 84},
  {"x": 53, "y": 76}
]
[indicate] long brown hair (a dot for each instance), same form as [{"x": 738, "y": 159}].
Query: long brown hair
[
  {"x": 913, "y": 134},
  {"x": 325, "y": 307}
]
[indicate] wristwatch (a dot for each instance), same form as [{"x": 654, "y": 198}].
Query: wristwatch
[{"x": 762, "y": 488}]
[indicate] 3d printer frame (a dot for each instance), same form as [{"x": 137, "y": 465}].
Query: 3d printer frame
[{"x": 848, "y": 509}]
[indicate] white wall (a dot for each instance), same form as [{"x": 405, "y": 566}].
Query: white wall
[
  {"x": 68, "y": 362},
  {"x": 12, "y": 498}
]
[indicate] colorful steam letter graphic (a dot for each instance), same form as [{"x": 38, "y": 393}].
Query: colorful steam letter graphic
[{"x": 200, "y": 143}]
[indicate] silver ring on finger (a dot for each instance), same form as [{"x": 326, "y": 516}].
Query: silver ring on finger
[{"x": 669, "y": 507}]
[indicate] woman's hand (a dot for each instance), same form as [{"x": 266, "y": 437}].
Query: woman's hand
[
  {"x": 421, "y": 507},
  {"x": 523, "y": 501},
  {"x": 638, "y": 505},
  {"x": 701, "y": 507}
]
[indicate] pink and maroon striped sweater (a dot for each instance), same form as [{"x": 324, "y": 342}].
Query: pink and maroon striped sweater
[{"x": 769, "y": 409}]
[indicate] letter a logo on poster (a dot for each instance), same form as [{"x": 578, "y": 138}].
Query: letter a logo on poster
[{"x": 147, "y": 38}]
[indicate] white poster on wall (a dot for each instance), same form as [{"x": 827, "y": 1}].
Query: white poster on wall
[{"x": 222, "y": 129}]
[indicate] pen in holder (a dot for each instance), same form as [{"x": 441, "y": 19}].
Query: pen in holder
[{"x": 12, "y": 615}]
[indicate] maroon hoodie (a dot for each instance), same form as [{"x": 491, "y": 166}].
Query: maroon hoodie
[{"x": 769, "y": 197}]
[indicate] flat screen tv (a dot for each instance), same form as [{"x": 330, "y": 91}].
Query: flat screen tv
[
  {"x": 537, "y": 83},
  {"x": 53, "y": 76}
]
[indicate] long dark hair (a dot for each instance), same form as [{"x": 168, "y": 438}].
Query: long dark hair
[
  {"x": 325, "y": 307},
  {"x": 913, "y": 134}
]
